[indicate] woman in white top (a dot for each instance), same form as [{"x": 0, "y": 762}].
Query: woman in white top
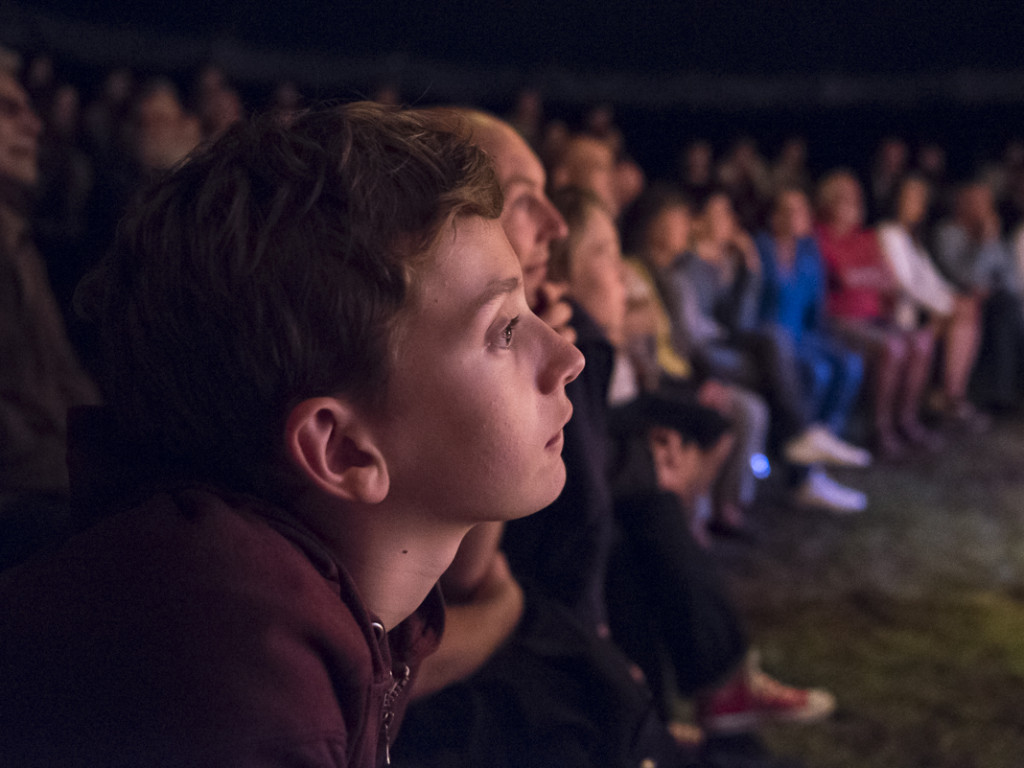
[{"x": 927, "y": 297}]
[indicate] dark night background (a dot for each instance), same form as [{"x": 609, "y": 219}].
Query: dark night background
[
  {"x": 715, "y": 36},
  {"x": 844, "y": 74}
]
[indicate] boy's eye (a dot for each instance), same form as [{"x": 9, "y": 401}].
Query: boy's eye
[{"x": 508, "y": 332}]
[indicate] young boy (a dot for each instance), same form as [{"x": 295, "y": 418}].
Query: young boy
[{"x": 322, "y": 373}]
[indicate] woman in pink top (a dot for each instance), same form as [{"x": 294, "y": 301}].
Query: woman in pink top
[{"x": 862, "y": 293}]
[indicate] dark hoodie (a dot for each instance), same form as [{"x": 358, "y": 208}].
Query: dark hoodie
[{"x": 190, "y": 626}]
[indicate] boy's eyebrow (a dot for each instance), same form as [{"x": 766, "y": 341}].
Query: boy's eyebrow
[{"x": 495, "y": 288}]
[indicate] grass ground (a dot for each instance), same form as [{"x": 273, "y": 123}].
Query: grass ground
[{"x": 911, "y": 613}]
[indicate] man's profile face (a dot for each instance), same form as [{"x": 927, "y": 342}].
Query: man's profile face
[
  {"x": 19, "y": 133},
  {"x": 529, "y": 219},
  {"x": 475, "y": 405}
]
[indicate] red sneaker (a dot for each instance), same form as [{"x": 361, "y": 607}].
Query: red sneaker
[{"x": 752, "y": 698}]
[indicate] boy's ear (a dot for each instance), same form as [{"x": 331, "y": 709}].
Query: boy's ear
[{"x": 331, "y": 445}]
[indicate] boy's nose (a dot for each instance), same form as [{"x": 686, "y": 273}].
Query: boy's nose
[{"x": 565, "y": 364}]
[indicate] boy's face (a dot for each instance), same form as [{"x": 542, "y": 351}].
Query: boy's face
[{"x": 472, "y": 428}]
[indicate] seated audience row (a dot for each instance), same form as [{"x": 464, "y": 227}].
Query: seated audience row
[{"x": 730, "y": 342}]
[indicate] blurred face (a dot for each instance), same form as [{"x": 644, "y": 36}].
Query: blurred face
[
  {"x": 529, "y": 219},
  {"x": 745, "y": 155},
  {"x": 794, "y": 152},
  {"x": 847, "y": 206},
  {"x": 976, "y": 204},
  {"x": 476, "y": 404},
  {"x": 64, "y": 111},
  {"x": 893, "y": 156},
  {"x": 913, "y": 202},
  {"x": 698, "y": 158},
  {"x": 719, "y": 219},
  {"x": 19, "y": 134},
  {"x": 792, "y": 216},
  {"x": 668, "y": 235},
  {"x": 590, "y": 164},
  {"x": 596, "y": 273}
]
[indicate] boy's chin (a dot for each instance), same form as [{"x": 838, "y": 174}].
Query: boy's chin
[{"x": 553, "y": 490}]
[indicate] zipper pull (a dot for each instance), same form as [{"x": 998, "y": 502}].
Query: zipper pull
[{"x": 389, "y": 713}]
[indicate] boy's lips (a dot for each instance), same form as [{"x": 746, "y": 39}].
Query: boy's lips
[{"x": 557, "y": 437}]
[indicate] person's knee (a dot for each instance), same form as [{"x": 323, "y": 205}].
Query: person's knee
[
  {"x": 922, "y": 343},
  {"x": 750, "y": 412},
  {"x": 817, "y": 375}
]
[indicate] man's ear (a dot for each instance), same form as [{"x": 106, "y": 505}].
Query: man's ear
[{"x": 332, "y": 446}]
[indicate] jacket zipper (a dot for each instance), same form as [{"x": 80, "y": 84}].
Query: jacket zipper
[{"x": 389, "y": 709}]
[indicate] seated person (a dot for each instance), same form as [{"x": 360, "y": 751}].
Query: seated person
[
  {"x": 793, "y": 298},
  {"x": 862, "y": 291},
  {"x": 589, "y": 261},
  {"x": 656, "y": 230},
  {"x": 928, "y": 298},
  {"x": 40, "y": 376},
  {"x": 298, "y": 438},
  {"x": 556, "y": 690},
  {"x": 685, "y": 447},
  {"x": 744, "y": 176},
  {"x": 713, "y": 298},
  {"x": 526, "y": 673},
  {"x": 970, "y": 251}
]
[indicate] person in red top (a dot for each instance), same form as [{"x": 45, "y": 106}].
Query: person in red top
[
  {"x": 322, "y": 372},
  {"x": 861, "y": 294}
]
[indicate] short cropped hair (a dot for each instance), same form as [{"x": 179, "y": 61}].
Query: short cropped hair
[{"x": 271, "y": 267}]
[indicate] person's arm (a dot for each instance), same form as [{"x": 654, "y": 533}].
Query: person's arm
[
  {"x": 749, "y": 293},
  {"x": 898, "y": 256},
  {"x": 953, "y": 256},
  {"x": 692, "y": 328},
  {"x": 816, "y": 315},
  {"x": 917, "y": 273},
  {"x": 485, "y": 604}
]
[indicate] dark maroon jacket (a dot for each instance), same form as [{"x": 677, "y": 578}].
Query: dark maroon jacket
[{"x": 203, "y": 629}]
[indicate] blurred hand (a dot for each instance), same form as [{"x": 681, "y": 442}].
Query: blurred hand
[
  {"x": 553, "y": 309},
  {"x": 677, "y": 465},
  {"x": 714, "y": 394},
  {"x": 746, "y": 245}
]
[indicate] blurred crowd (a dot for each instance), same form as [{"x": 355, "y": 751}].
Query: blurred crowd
[{"x": 763, "y": 320}]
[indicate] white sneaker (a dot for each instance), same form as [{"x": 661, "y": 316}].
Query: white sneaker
[
  {"x": 822, "y": 492},
  {"x": 849, "y": 454},
  {"x": 816, "y": 445}
]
